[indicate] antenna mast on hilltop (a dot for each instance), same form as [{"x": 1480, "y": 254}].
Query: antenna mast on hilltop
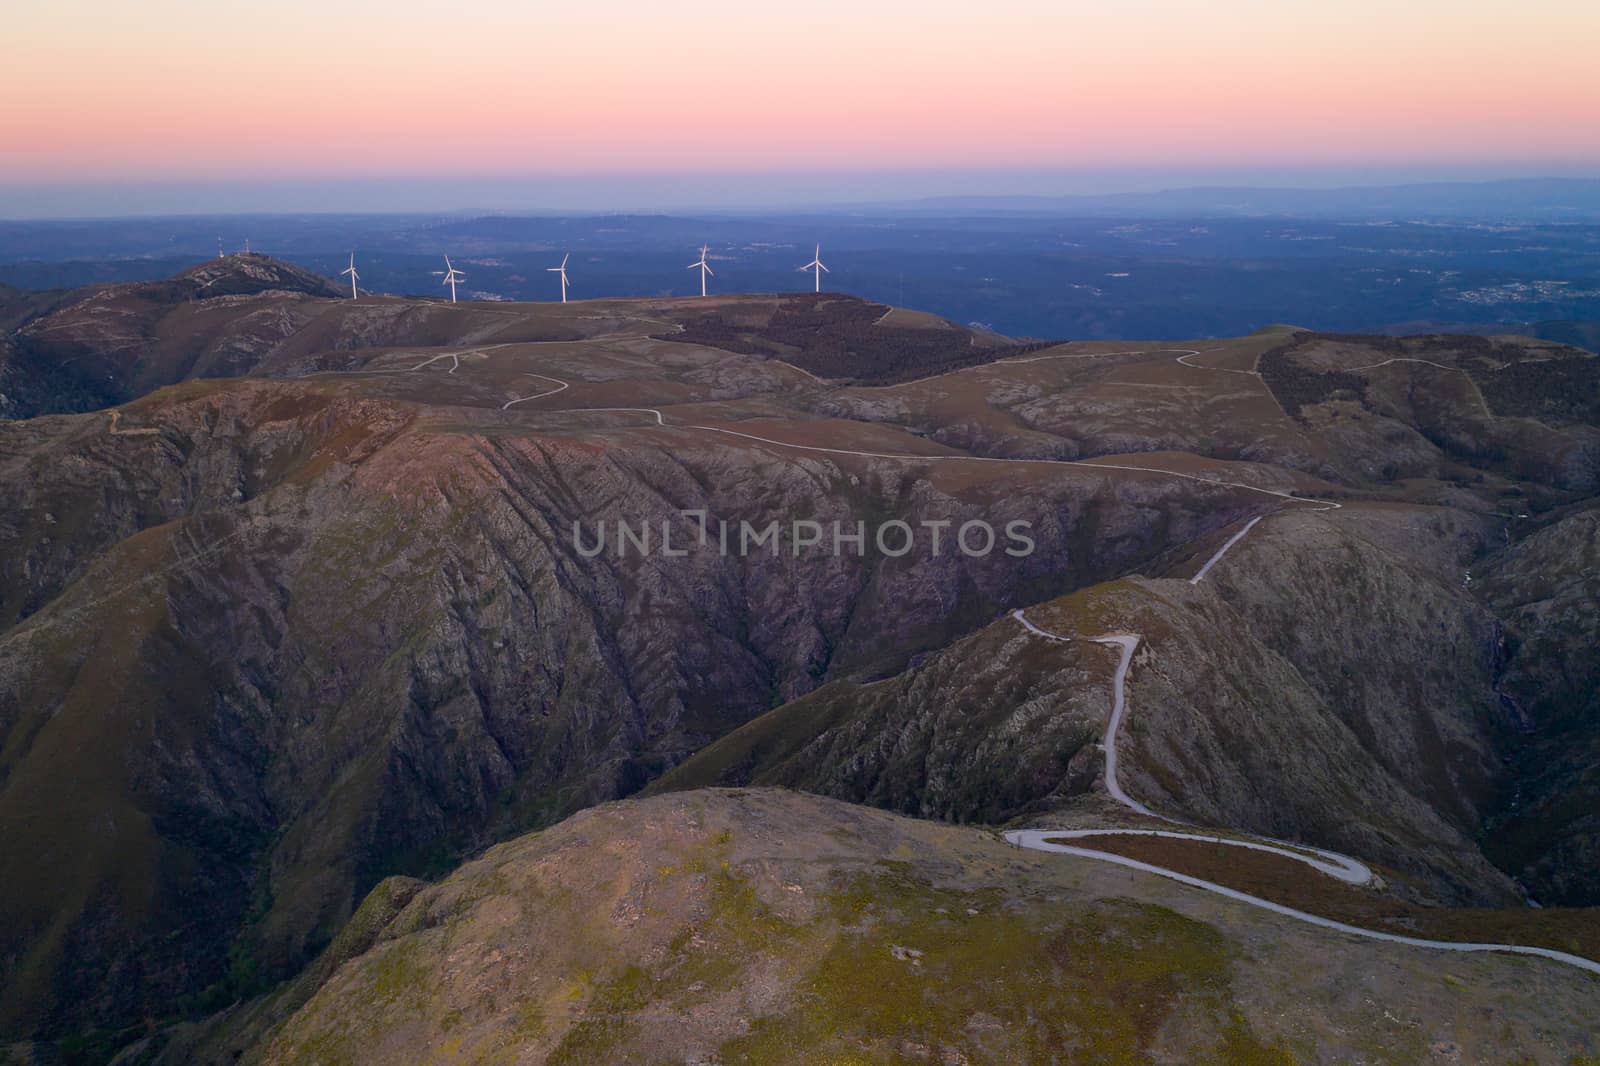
[
  {"x": 704, "y": 268},
  {"x": 247, "y": 246},
  {"x": 451, "y": 275},
  {"x": 816, "y": 267},
  {"x": 354, "y": 277},
  {"x": 562, "y": 270},
  {"x": 219, "y": 248}
]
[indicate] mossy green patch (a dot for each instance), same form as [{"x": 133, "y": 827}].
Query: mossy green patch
[
  {"x": 396, "y": 972},
  {"x": 702, "y": 960},
  {"x": 920, "y": 970}
]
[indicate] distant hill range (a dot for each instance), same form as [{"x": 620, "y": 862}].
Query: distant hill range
[
  {"x": 1529, "y": 199},
  {"x": 79, "y": 349},
  {"x": 1579, "y": 334},
  {"x": 1584, "y": 335}
]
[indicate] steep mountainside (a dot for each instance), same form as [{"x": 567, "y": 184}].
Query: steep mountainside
[
  {"x": 268, "y": 639},
  {"x": 1245, "y": 710},
  {"x": 368, "y": 642},
  {"x": 1547, "y": 827}
]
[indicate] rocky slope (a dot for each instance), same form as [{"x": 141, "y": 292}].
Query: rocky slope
[
  {"x": 1547, "y": 826},
  {"x": 299, "y": 640}
]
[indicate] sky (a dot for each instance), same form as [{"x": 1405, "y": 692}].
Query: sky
[{"x": 454, "y": 99}]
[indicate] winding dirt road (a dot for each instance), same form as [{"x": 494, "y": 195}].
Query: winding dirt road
[
  {"x": 1215, "y": 559},
  {"x": 561, "y": 386},
  {"x": 1041, "y": 840},
  {"x": 1341, "y": 867},
  {"x": 1086, "y": 464}
]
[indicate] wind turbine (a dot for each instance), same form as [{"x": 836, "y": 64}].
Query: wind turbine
[
  {"x": 703, "y": 267},
  {"x": 451, "y": 275},
  {"x": 354, "y": 277},
  {"x": 562, "y": 270},
  {"x": 816, "y": 267}
]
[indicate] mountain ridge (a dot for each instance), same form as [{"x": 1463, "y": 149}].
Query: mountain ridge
[{"x": 266, "y": 641}]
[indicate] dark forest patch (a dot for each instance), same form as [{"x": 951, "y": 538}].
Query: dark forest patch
[
  {"x": 1556, "y": 391},
  {"x": 840, "y": 337},
  {"x": 1557, "y": 385},
  {"x": 1297, "y": 386}
]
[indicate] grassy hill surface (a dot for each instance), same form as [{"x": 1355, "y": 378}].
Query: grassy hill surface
[{"x": 770, "y": 927}]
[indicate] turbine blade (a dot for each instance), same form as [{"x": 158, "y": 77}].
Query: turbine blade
[
  {"x": 713, "y": 273},
  {"x": 825, "y": 270}
]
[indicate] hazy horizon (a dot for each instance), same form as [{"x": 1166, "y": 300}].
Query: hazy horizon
[{"x": 604, "y": 193}]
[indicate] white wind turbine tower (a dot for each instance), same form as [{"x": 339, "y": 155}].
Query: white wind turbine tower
[
  {"x": 816, "y": 267},
  {"x": 451, "y": 275},
  {"x": 562, "y": 270},
  {"x": 704, "y": 268},
  {"x": 354, "y": 277}
]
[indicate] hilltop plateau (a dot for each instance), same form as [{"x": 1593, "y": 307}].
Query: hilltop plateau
[{"x": 764, "y": 927}]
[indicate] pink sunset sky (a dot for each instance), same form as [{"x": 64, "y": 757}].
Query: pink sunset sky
[{"x": 179, "y": 89}]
